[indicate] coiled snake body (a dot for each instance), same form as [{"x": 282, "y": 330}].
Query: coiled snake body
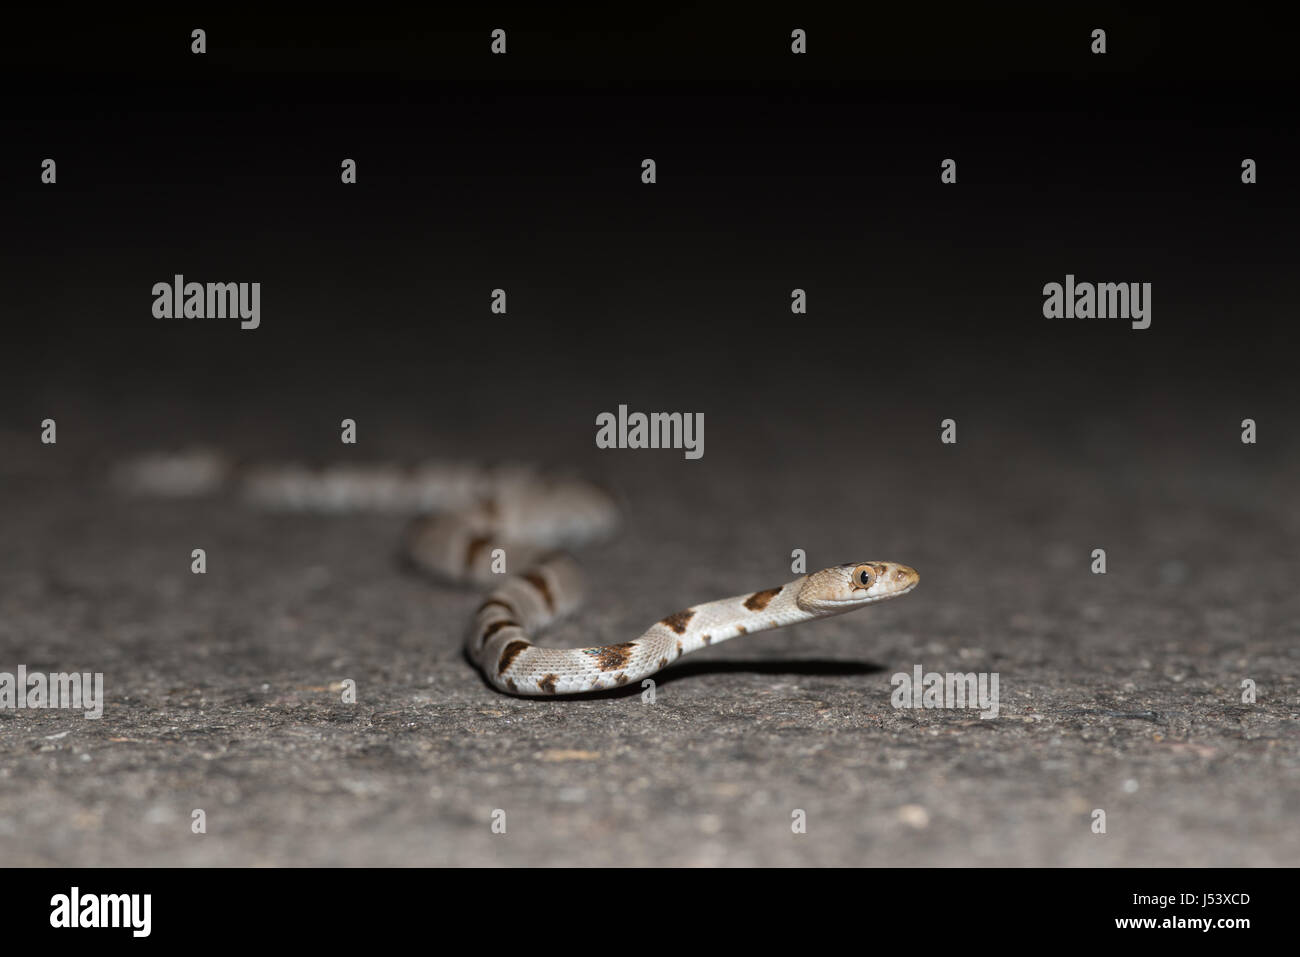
[{"x": 486, "y": 518}]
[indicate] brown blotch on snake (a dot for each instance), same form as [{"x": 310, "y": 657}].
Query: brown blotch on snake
[
  {"x": 679, "y": 621},
  {"x": 538, "y": 582},
  {"x": 475, "y": 546},
  {"x": 495, "y": 601},
  {"x": 510, "y": 683},
  {"x": 742, "y": 630},
  {"x": 509, "y": 654},
  {"x": 496, "y": 626},
  {"x": 760, "y": 599},
  {"x": 547, "y": 683},
  {"x": 610, "y": 657}
]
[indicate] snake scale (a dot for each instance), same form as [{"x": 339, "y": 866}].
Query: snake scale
[{"x": 475, "y": 520}]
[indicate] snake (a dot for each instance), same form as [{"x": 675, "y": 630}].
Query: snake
[{"x": 513, "y": 527}]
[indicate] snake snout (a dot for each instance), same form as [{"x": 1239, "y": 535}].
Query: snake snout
[{"x": 902, "y": 576}]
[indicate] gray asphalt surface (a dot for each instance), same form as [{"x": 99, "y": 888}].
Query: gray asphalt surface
[{"x": 1119, "y": 692}]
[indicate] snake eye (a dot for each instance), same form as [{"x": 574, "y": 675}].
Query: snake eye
[{"x": 863, "y": 576}]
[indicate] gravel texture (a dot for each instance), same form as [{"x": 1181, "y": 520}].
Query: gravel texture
[{"x": 1119, "y": 692}]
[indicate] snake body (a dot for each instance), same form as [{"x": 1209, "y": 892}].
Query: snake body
[
  {"x": 500, "y": 644},
  {"x": 476, "y": 522}
]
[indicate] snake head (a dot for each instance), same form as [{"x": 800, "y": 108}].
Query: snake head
[{"x": 845, "y": 587}]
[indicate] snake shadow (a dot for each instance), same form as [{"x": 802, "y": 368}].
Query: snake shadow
[{"x": 681, "y": 671}]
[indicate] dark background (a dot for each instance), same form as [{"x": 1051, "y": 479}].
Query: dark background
[
  {"x": 821, "y": 171},
  {"x": 775, "y": 171}
]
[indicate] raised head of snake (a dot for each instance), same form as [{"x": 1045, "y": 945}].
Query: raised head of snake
[{"x": 842, "y": 588}]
